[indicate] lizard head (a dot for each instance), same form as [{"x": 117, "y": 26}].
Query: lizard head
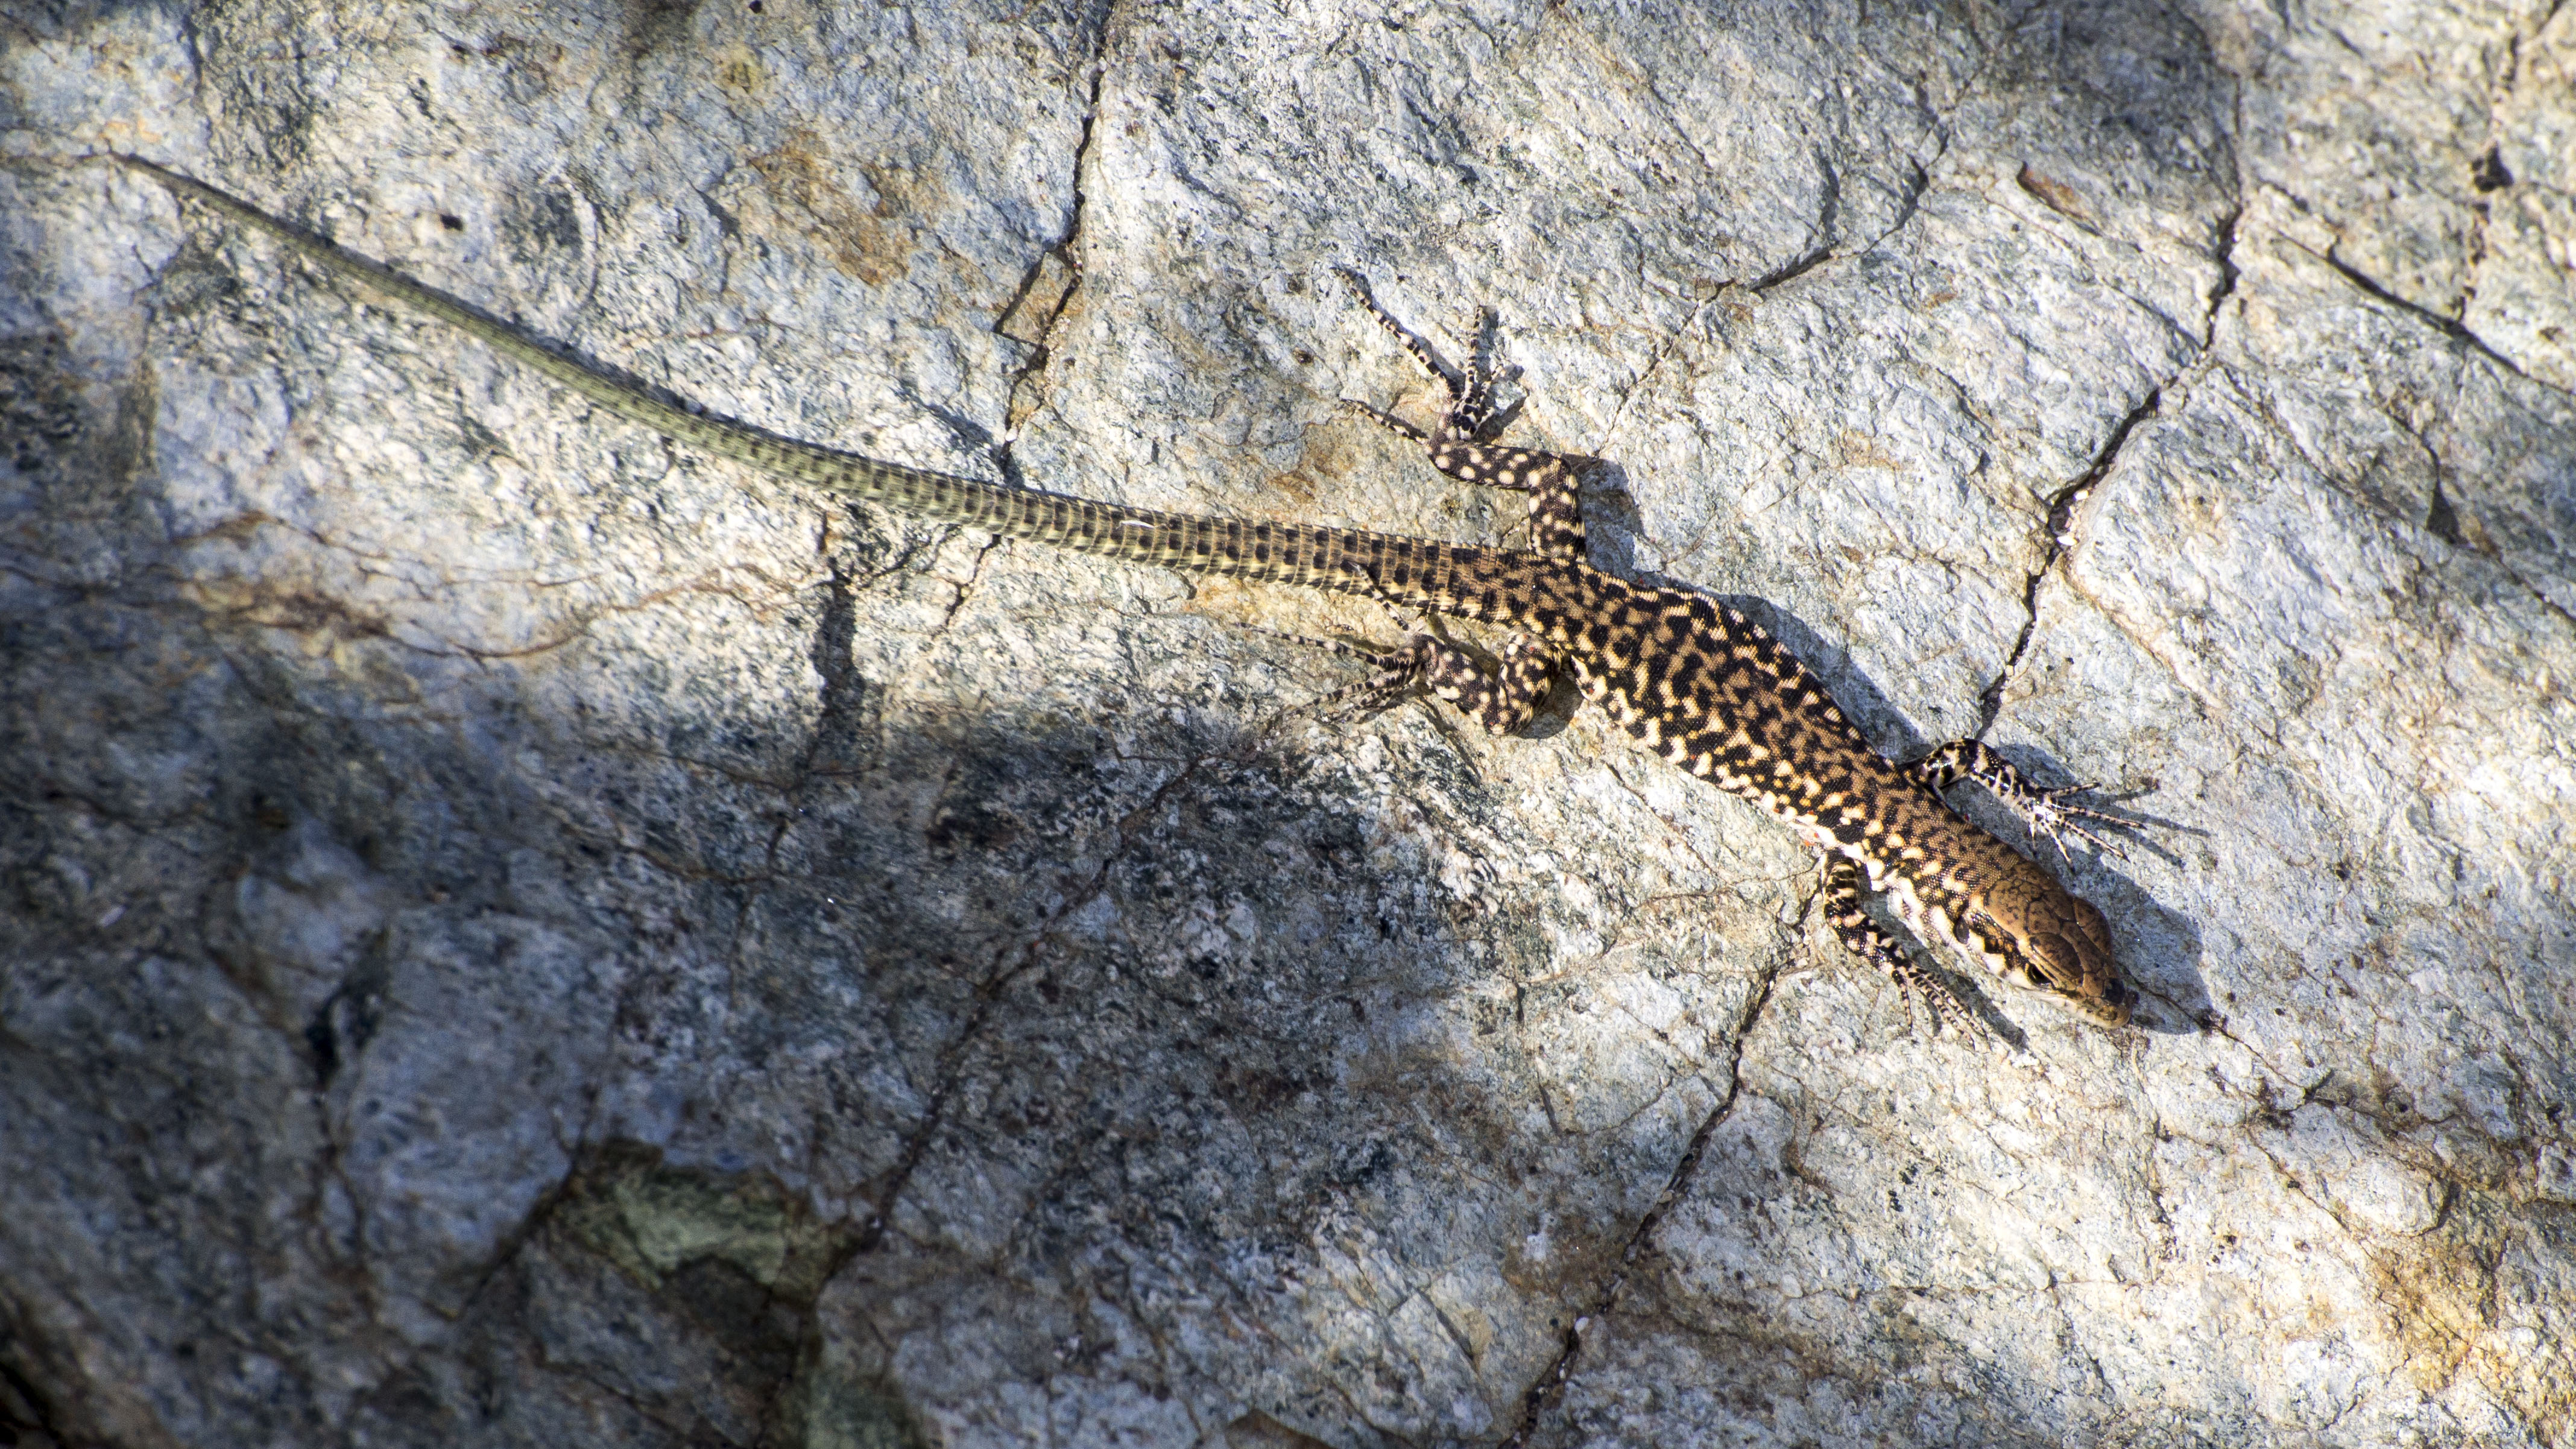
[{"x": 2061, "y": 947}]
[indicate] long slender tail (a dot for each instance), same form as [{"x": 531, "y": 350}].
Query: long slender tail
[{"x": 1449, "y": 578}]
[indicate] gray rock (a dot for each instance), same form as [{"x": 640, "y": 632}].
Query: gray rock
[{"x": 519, "y": 934}]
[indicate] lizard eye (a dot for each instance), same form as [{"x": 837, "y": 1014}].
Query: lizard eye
[{"x": 2031, "y": 966}]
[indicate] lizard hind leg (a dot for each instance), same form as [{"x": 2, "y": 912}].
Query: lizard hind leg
[
  {"x": 1463, "y": 446},
  {"x": 1502, "y": 700},
  {"x": 1471, "y": 389},
  {"x": 1505, "y": 699},
  {"x": 1844, "y": 887},
  {"x": 1390, "y": 678},
  {"x": 1471, "y": 397}
]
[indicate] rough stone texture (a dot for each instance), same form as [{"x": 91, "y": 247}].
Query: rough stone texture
[{"x": 517, "y": 934}]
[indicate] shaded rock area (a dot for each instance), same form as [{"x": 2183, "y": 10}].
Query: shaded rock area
[{"x": 516, "y": 933}]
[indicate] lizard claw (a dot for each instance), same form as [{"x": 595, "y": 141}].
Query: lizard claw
[
  {"x": 2043, "y": 811},
  {"x": 1394, "y": 674},
  {"x": 1386, "y": 420}
]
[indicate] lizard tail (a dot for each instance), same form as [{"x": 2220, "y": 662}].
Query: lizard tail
[{"x": 1452, "y": 579}]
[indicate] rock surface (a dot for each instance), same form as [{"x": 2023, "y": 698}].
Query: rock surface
[{"x": 519, "y": 934}]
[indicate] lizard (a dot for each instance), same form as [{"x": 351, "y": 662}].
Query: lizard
[{"x": 1692, "y": 680}]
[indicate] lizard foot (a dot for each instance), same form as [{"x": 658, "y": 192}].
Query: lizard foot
[
  {"x": 2043, "y": 811},
  {"x": 1464, "y": 445}
]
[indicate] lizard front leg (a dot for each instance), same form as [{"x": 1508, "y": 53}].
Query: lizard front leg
[
  {"x": 2041, "y": 810},
  {"x": 1844, "y": 889}
]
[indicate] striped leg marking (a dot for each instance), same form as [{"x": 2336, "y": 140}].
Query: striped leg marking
[
  {"x": 1461, "y": 448},
  {"x": 1844, "y": 888},
  {"x": 1502, "y": 700},
  {"x": 2042, "y": 811}
]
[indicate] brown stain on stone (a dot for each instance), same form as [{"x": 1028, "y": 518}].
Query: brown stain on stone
[
  {"x": 2452, "y": 1295},
  {"x": 1858, "y": 449},
  {"x": 320, "y": 620},
  {"x": 872, "y": 241}
]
